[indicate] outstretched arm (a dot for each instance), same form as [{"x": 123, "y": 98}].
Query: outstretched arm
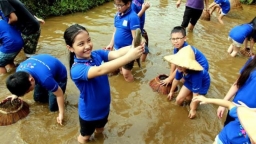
[
  {"x": 145, "y": 6},
  {"x": 220, "y": 102},
  {"x": 40, "y": 20},
  {"x": 60, "y": 100}
]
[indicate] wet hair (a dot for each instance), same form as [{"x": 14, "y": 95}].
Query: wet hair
[
  {"x": 179, "y": 29},
  {"x": 253, "y": 22},
  {"x": 246, "y": 72},
  {"x": 125, "y": 1},
  {"x": 18, "y": 83},
  {"x": 69, "y": 37}
]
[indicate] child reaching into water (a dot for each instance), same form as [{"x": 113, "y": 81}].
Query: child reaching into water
[
  {"x": 178, "y": 40},
  {"x": 90, "y": 76},
  {"x": 222, "y": 6},
  {"x": 233, "y": 132},
  {"x": 242, "y": 33},
  {"x": 197, "y": 79}
]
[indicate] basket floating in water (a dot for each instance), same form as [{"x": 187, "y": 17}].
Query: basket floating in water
[
  {"x": 157, "y": 86},
  {"x": 12, "y": 111}
]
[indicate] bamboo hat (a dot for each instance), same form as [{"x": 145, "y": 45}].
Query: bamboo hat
[
  {"x": 247, "y": 118},
  {"x": 185, "y": 58}
]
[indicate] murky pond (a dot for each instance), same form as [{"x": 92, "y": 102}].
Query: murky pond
[{"x": 138, "y": 115}]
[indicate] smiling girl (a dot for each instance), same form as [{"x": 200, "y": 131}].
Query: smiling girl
[{"x": 89, "y": 73}]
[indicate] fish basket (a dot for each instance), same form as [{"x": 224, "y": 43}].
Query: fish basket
[
  {"x": 205, "y": 15},
  {"x": 12, "y": 111},
  {"x": 157, "y": 86}
]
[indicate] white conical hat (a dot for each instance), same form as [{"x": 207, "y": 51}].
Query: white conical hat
[{"x": 185, "y": 58}]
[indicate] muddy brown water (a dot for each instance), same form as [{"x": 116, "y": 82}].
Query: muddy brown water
[{"x": 138, "y": 115}]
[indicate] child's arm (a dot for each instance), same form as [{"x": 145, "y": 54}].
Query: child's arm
[
  {"x": 212, "y": 4},
  {"x": 171, "y": 76},
  {"x": 231, "y": 93},
  {"x": 145, "y": 6},
  {"x": 178, "y": 3},
  {"x": 220, "y": 102},
  {"x": 40, "y": 20},
  {"x": 112, "y": 65},
  {"x": 12, "y": 18},
  {"x": 174, "y": 85},
  {"x": 206, "y": 3}
]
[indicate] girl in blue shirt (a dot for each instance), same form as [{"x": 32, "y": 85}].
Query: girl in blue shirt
[
  {"x": 234, "y": 132},
  {"x": 89, "y": 73},
  {"x": 243, "y": 89},
  {"x": 197, "y": 79}
]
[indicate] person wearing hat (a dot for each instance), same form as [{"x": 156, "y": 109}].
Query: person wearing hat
[
  {"x": 178, "y": 40},
  {"x": 197, "y": 79},
  {"x": 239, "y": 131}
]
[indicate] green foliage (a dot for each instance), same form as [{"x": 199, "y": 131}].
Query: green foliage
[
  {"x": 248, "y": 1},
  {"x": 46, "y": 8}
]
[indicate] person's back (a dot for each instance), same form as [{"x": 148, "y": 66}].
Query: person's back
[
  {"x": 240, "y": 32},
  {"x": 43, "y": 68},
  {"x": 26, "y": 23},
  {"x": 10, "y": 39}
]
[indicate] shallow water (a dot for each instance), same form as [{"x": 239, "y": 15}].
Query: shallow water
[{"x": 138, "y": 115}]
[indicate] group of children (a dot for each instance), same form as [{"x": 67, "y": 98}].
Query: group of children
[{"x": 47, "y": 76}]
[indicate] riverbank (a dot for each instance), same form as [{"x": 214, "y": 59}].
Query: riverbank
[{"x": 47, "y": 8}]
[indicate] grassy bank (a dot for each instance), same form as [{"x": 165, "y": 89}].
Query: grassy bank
[{"x": 46, "y": 8}]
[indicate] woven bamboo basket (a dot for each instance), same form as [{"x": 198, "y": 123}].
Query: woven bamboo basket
[
  {"x": 12, "y": 111},
  {"x": 205, "y": 15},
  {"x": 157, "y": 86}
]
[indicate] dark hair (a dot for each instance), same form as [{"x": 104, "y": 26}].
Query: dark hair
[
  {"x": 125, "y": 1},
  {"x": 246, "y": 72},
  {"x": 18, "y": 83},
  {"x": 179, "y": 29},
  {"x": 69, "y": 37}
]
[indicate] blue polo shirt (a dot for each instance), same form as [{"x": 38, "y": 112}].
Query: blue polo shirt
[
  {"x": 224, "y": 4},
  {"x": 240, "y": 32},
  {"x": 137, "y": 6},
  {"x": 94, "y": 99},
  {"x": 200, "y": 58},
  {"x": 233, "y": 132},
  {"x": 46, "y": 70},
  {"x": 247, "y": 91},
  {"x": 10, "y": 38},
  {"x": 195, "y": 81},
  {"x": 124, "y": 24}
]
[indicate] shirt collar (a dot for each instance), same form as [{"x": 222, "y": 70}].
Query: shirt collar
[{"x": 125, "y": 13}]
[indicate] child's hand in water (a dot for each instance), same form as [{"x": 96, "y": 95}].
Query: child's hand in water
[{"x": 201, "y": 99}]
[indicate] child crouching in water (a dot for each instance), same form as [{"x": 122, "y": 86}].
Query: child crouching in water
[
  {"x": 197, "y": 79},
  {"x": 242, "y": 33},
  {"x": 90, "y": 76},
  {"x": 233, "y": 132}
]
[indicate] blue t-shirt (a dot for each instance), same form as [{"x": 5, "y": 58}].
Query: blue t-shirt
[
  {"x": 10, "y": 38},
  {"x": 137, "y": 6},
  {"x": 200, "y": 58},
  {"x": 247, "y": 91},
  {"x": 124, "y": 24},
  {"x": 240, "y": 32},
  {"x": 94, "y": 100},
  {"x": 233, "y": 132},
  {"x": 224, "y": 4},
  {"x": 46, "y": 70},
  {"x": 195, "y": 81}
]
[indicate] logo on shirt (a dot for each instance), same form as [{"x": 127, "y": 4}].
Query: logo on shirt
[{"x": 125, "y": 23}]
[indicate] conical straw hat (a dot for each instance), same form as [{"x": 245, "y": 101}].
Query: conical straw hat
[
  {"x": 185, "y": 58},
  {"x": 247, "y": 118}
]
